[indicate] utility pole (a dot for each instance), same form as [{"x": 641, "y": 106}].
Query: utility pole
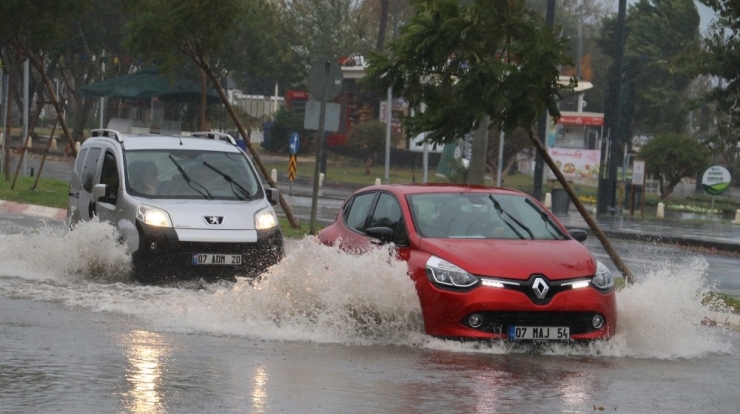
[
  {"x": 542, "y": 124},
  {"x": 611, "y": 153}
]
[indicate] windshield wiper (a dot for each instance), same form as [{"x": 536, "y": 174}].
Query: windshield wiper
[
  {"x": 230, "y": 181},
  {"x": 546, "y": 218},
  {"x": 190, "y": 182},
  {"x": 501, "y": 212}
]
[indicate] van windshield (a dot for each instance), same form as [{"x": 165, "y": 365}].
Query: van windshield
[{"x": 190, "y": 174}]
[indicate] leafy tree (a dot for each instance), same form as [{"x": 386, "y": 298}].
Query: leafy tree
[
  {"x": 516, "y": 143},
  {"x": 176, "y": 31},
  {"x": 326, "y": 29},
  {"x": 469, "y": 59},
  {"x": 672, "y": 157},
  {"x": 720, "y": 59},
  {"x": 659, "y": 35},
  {"x": 33, "y": 29}
]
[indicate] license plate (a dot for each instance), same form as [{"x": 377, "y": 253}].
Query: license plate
[
  {"x": 217, "y": 259},
  {"x": 544, "y": 333}
]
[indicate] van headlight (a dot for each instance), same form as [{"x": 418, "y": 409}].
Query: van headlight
[
  {"x": 265, "y": 219},
  {"x": 445, "y": 273},
  {"x": 153, "y": 216},
  {"x": 603, "y": 277}
]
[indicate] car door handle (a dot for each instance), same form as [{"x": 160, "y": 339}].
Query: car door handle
[{"x": 75, "y": 194}]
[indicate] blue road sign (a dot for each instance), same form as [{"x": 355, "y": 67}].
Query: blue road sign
[{"x": 295, "y": 143}]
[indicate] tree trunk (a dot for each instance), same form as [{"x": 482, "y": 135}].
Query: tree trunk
[
  {"x": 255, "y": 155},
  {"x": 203, "y": 101},
  {"x": 581, "y": 209},
  {"x": 52, "y": 95},
  {"x": 383, "y": 25},
  {"x": 6, "y": 149}
]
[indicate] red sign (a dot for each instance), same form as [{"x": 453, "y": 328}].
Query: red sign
[{"x": 581, "y": 120}]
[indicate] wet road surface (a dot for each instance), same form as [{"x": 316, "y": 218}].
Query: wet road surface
[{"x": 330, "y": 333}]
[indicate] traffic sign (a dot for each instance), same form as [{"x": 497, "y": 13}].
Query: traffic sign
[
  {"x": 716, "y": 180},
  {"x": 325, "y": 70},
  {"x": 292, "y": 168},
  {"x": 295, "y": 143}
]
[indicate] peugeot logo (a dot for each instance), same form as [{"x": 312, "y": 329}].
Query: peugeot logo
[
  {"x": 214, "y": 220},
  {"x": 540, "y": 288}
]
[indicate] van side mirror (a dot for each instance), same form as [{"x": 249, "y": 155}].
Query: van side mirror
[
  {"x": 99, "y": 191},
  {"x": 104, "y": 193},
  {"x": 273, "y": 195}
]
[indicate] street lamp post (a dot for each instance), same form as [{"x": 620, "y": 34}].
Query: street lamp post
[{"x": 611, "y": 153}]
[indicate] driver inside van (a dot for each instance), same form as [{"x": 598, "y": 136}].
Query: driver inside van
[{"x": 144, "y": 177}]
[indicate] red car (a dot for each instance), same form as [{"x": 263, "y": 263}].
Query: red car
[{"x": 488, "y": 263}]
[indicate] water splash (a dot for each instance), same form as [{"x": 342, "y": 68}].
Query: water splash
[
  {"x": 324, "y": 295},
  {"x": 90, "y": 252}
]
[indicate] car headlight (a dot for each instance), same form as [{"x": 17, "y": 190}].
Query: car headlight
[
  {"x": 603, "y": 278},
  {"x": 445, "y": 273},
  {"x": 153, "y": 216},
  {"x": 265, "y": 219}
]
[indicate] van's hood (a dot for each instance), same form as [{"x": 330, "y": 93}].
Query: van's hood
[
  {"x": 199, "y": 214},
  {"x": 515, "y": 259}
]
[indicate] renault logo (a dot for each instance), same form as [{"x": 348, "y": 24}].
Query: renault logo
[
  {"x": 540, "y": 288},
  {"x": 214, "y": 220}
]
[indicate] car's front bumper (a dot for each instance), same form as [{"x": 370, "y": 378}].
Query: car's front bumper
[
  {"x": 161, "y": 256},
  {"x": 447, "y": 312}
]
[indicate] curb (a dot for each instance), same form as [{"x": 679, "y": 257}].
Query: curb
[
  {"x": 59, "y": 214},
  {"x": 725, "y": 320}
]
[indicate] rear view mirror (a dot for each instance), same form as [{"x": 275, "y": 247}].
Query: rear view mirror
[
  {"x": 382, "y": 235},
  {"x": 99, "y": 191},
  {"x": 578, "y": 234},
  {"x": 273, "y": 195}
]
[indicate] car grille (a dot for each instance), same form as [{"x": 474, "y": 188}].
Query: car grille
[{"x": 499, "y": 322}]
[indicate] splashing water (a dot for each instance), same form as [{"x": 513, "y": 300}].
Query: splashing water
[
  {"x": 324, "y": 295},
  {"x": 89, "y": 252}
]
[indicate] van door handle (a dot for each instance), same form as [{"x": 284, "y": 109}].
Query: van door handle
[{"x": 75, "y": 194}]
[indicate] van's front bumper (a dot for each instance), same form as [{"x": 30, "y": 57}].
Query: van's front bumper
[{"x": 162, "y": 256}]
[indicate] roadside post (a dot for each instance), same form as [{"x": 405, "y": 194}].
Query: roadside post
[
  {"x": 294, "y": 145},
  {"x": 325, "y": 81},
  {"x": 638, "y": 180}
]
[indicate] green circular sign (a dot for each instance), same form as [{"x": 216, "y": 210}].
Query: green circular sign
[{"x": 716, "y": 180}]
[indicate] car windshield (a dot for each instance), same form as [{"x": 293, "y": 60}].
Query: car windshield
[
  {"x": 481, "y": 216},
  {"x": 190, "y": 174}
]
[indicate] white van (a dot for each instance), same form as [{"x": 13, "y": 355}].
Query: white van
[{"x": 186, "y": 207}]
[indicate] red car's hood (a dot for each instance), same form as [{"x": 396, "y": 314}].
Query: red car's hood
[{"x": 515, "y": 259}]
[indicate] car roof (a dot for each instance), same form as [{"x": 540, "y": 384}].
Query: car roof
[
  {"x": 133, "y": 142},
  {"x": 429, "y": 188}
]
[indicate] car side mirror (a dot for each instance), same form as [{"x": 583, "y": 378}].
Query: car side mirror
[
  {"x": 380, "y": 235},
  {"x": 578, "y": 234},
  {"x": 273, "y": 195}
]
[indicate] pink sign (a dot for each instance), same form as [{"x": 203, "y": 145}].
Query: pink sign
[{"x": 577, "y": 165}]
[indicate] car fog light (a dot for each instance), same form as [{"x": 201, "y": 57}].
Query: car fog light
[
  {"x": 153, "y": 246},
  {"x": 597, "y": 321},
  {"x": 475, "y": 320}
]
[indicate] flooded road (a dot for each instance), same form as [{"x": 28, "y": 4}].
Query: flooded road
[{"x": 325, "y": 332}]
